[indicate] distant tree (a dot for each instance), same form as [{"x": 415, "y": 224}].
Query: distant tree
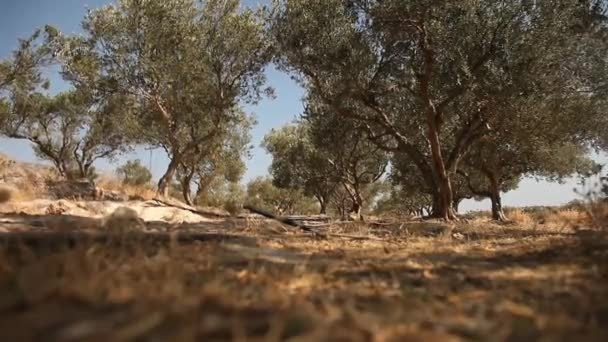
[
  {"x": 357, "y": 163},
  {"x": 298, "y": 164},
  {"x": 552, "y": 142},
  {"x": 72, "y": 130},
  {"x": 187, "y": 65},
  {"x": 134, "y": 173},
  {"x": 403, "y": 201},
  {"x": 263, "y": 194},
  {"x": 222, "y": 194},
  {"x": 222, "y": 161}
]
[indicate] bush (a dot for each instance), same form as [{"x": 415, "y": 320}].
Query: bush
[
  {"x": 134, "y": 173},
  {"x": 233, "y": 207}
]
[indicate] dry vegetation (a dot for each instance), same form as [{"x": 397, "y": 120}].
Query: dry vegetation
[
  {"x": 111, "y": 183},
  {"x": 426, "y": 281}
]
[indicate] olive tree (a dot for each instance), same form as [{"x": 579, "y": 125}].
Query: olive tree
[
  {"x": 72, "y": 129},
  {"x": 224, "y": 161},
  {"x": 263, "y": 194},
  {"x": 188, "y": 66},
  {"x": 298, "y": 164},
  {"x": 422, "y": 79},
  {"x": 134, "y": 173}
]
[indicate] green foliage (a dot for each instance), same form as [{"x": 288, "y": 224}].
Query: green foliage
[
  {"x": 298, "y": 164},
  {"x": 134, "y": 173},
  {"x": 404, "y": 202},
  {"x": 427, "y": 89},
  {"x": 72, "y": 129},
  {"x": 222, "y": 194},
  {"x": 263, "y": 194},
  {"x": 220, "y": 162},
  {"x": 188, "y": 65},
  {"x": 22, "y": 69},
  {"x": 322, "y": 153}
]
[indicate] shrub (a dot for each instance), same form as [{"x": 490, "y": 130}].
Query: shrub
[{"x": 134, "y": 173}]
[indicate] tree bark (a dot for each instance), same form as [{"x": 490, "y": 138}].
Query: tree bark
[
  {"x": 434, "y": 118},
  {"x": 497, "y": 211},
  {"x": 165, "y": 180},
  {"x": 356, "y": 211},
  {"x": 186, "y": 182},
  {"x": 322, "y": 204},
  {"x": 443, "y": 208}
]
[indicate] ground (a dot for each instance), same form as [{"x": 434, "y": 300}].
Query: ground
[{"x": 413, "y": 281}]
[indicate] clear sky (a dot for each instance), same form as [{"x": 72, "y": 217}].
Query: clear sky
[{"x": 19, "y": 18}]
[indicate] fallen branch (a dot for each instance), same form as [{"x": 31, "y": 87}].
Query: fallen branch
[
  {"x": 310, "y": 229},
  {"x": 285, "y": 220}
]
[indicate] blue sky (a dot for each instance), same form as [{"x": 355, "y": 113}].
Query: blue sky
[{"x": 19, "y": 18}]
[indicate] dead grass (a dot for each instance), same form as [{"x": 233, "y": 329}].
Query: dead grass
[
  {"x": 427, "y": 282},
  {"x": 567, "y": 217},
  {"x": 520, "y": 217},
  {"x": 597, "y": 211},
  {"x": 109, "y": 183}
]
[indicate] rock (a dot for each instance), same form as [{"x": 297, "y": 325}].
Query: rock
[{"x": 123, "y": 219}]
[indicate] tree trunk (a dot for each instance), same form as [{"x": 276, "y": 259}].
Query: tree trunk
[
  {"x": 323, "y": 210},
  {"x": 456, "y": 204},
  {"x": 357, "y": 205},
  {"x": 186, "y": 182},
  {"x": 167, "y": 178},
  {"x": 355, "y": 211},
  {"x": 497, "y": 211},
  {"x": 322, "y": 204},
  {"x": 443, "y": 207}
]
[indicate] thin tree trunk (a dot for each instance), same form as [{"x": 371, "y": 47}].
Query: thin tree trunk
[
  {"x": 323, "y": 210},
  {"x": 186, "y": 182},
  {"x": 497, "y": 211},
  {"x": 167, "y": 178},
  {"x": 357, "y": 204}
]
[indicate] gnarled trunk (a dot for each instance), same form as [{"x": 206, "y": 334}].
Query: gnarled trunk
[
  {"x": 165, "y": 180},
  {"x": 186, "y": 182}
]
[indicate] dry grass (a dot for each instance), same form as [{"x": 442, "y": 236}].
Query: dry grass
[
  {"x": 567, "y": 217},
  {"x": 143, "y": 192},
  {"x": 598, "y": 213},
  {"x": 428, "y": 281},
  {"x": 27, "y": 181},
  {"x": 520, "y": 217}
]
